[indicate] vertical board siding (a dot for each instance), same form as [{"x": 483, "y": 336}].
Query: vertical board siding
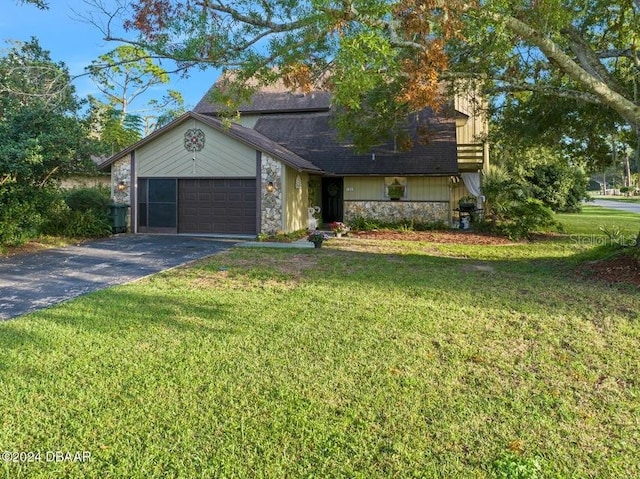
[
  {"x": 476, "y": 127},
  {"x": 296, "y": 200},
  {"x": 221, "y": 156},
  {"x": 419, "y": 188}
]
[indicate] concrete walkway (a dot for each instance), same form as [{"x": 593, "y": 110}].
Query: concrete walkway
[
  {"x": 29, "y": 282},
  {"x": 302, "y": 243},
  {"x": 617, "y": 205}
]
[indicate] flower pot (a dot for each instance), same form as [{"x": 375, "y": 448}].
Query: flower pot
[
  {"x": 338, "y": 235},
  {"x": 317, "y": 244}
]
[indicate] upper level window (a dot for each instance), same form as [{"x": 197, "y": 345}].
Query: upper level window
[{"x": 395, "y": 188}]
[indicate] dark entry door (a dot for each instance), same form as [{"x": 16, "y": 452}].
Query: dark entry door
[
  {"x": 331, "y": 199},
  {"x": 211, "y": 205}
]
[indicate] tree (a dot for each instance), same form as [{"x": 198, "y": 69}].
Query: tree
[
  {"x": 110, "y": 131},
  {"x": 124, "y": 75},
  {"x": 41, "y": 137},
  {"x": 386, "y": 58}
]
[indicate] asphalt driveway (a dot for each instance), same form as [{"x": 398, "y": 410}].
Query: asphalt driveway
[{"x": 30, "y": 282}]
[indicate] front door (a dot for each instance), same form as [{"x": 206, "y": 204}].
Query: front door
[{"x": 331, "y": 199}]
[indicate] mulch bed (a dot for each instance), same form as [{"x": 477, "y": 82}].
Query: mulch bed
[
  {"x": 621, "y": 269},
  {"x": 455, "y": 237}
]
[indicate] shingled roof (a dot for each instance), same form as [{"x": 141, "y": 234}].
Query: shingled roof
[
  {"x": 275, "y": 99},
  {"x": 301, "y": 123},
  {"x": 312, "y": 136}
]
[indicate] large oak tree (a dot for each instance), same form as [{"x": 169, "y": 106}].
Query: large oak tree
[{"x": 386, "y": 58}]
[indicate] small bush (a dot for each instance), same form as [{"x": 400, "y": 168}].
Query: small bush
[
  {"x": 370, "y": 224},
  {"x": 510, "y": 209},
  {"x": 22, "y": 212},
  {"x": 83, "y": 214},
  {"x": 85, "y": 199},
  {"x": 19, "y": 222}
]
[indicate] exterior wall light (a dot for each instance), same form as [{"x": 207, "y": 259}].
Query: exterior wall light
[
  {"x": 270, "y": 187},
  {"x": 121, "y": 186}
]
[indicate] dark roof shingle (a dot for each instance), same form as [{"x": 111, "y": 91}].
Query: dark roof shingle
[
  {"x": 312, "y": 137},
  {"x": 272, "y": 102}
]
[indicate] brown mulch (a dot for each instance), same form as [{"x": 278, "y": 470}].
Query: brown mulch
[
  {"x": 621, "y": 269},
  {"x": 456, "y": 237}
]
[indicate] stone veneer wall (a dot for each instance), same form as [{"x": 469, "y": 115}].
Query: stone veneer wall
[
  {"x": 272, "y": 204},
  {"x": 393, "y": 211},
  {"x": 121, "y": 171}
]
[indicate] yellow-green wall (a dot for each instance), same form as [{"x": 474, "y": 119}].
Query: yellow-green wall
[
  {"x": 296, "y": 200},
  {"x": 221, "y": 156},
  {"x": 419, "y": 188}
]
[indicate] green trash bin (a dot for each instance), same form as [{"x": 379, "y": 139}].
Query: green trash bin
[{"x": 119, "y": 218}]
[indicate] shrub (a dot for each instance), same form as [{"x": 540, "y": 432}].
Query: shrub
[
  {"x": 83, "y": 214},
  {"x": 22, "y": 212},
  {"x": 369, "y": 224},
  {"x": 85, "y": 199},
  {"x": 510, "y": 209},
  {"x": 558, "y": 186}
]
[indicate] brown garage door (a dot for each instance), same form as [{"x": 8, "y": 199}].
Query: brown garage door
[{"x": 225, "y": 206}]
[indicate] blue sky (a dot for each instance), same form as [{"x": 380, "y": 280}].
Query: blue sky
[{"x": 77, "y": 43}]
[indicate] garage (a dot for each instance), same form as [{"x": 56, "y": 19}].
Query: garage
[
  {"x": 197, "y": 205},
  {"x": 197, "y": 175},
  {"x": 221, "y": 206}
]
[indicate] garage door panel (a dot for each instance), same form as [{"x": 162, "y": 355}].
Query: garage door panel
[{"x": 217, "y": 206}]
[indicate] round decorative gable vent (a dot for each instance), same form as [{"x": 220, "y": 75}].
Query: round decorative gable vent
[{"x": 194, "y": 139}]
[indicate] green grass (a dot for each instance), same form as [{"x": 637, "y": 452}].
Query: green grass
[
  {"x": 593, "y": 217},
  {"x": 626, "y": 199},
  {"x": 362, "y": 359}
]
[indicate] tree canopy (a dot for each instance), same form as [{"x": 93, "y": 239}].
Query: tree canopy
[
  {"x": 387, "y": 58},
  {"x": 41, "y": 136}
]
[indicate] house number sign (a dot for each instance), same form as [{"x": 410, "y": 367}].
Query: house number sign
[{"x": 194, "y": 139}]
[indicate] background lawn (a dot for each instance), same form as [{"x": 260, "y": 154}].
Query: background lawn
[
  {"x": 593, "y": 217},
  {"x": 362, "y": 359},
  {"x": 626, "y": 199}
]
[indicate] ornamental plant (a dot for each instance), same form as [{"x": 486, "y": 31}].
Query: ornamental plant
[
  {"x": 338, "y": 227},
  {"x": 317, "y": 236}
]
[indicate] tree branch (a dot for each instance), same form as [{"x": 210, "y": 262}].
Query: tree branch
[
  {"x": 626, "y": 108},
  {"x": 588, "y": 58}
]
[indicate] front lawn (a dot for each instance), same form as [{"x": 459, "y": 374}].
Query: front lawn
[{"x": 366, "y": 358}]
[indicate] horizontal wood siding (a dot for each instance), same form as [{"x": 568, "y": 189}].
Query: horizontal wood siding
[
  {"x": 419, "y": 188},
  {"x": 221, "y": 156}
]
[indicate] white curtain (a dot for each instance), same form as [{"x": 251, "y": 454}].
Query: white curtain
[{"x": 472, "y": 182}]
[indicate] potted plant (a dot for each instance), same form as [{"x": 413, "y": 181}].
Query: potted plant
[
  {"x": 395, "y": 191},
  {"x": 317, "y": 238},
  {"x": 339, "y": 228}
]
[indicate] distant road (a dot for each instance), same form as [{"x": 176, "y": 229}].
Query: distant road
[{"x": 617, "y": 205}]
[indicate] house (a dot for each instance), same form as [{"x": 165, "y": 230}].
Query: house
[{"x": 281, "y": 158}]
